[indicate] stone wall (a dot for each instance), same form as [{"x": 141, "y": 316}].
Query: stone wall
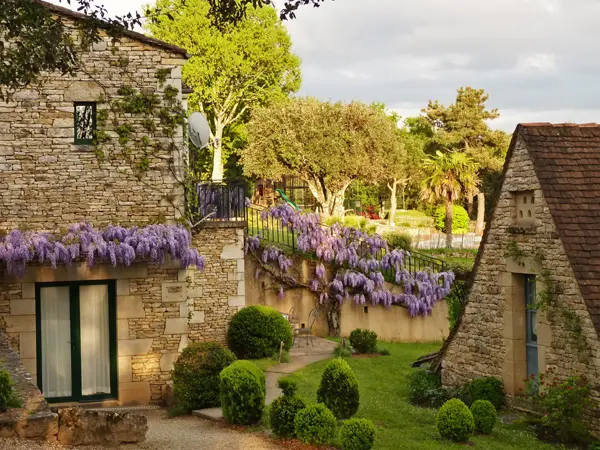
[
  {"x": 48, "y": 182},
  {"x": 491, "y": 338}
]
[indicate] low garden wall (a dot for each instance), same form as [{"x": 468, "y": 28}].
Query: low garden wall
[{"x": 391, "y": 324}]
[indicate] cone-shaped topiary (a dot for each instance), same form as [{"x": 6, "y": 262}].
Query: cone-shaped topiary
[
  {"x": 357, "y": 434},
  {"x": 315, "y": 424},
  {"x": 454, "y": 421},
  {"x": 257, "y": 331},
  {"x": 284, "y": 409},
  {"x": 484, "y": 415},
  {"x": 339, "y": 389},
  {"x": 242, "y": 387}
]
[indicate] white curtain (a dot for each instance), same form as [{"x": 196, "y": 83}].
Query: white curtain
[
  {"x": 95, "y": 350},
  {"x": 56, "y": 342}
]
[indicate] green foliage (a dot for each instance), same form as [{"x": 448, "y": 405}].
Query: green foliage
[
  {"x": 396, "y": 240},
  {"x": 455, "y": 299},
  {"x": 484, "y": 415},
  {"x": 425, "y": 389},
  {"x": 315, "y": 424},
  {"x": 242, "y": 388},
  {"x": 563, "y": 404},
  {"x": 339, "y": 389},
  {"x": 195, "y": 375},
  {"x": 8, "y": 397},
  {"x": 283, "y": 410},
  {"x": 488, "y": 388},
  {"x": 257, "y": 331},
  {"x": 363, "y": 341},
  {"x": 460, "y": 219},
  {"x": 454, "y": 421},
  {"x": 357, "y": 434}
]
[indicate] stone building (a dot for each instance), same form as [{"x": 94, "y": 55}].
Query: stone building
[
  {"x": 80, "y": 149},
  {"x": 540, "y": 248}
]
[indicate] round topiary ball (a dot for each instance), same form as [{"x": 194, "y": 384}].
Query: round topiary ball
[
  {"x": 484, "y": 415},
  {"x": 257, "y": 331},
  {"x": 242, "y": 387},
  {"x": 357, "y": 434},
  {"x": 315, "y": 424},
  {"x": 195, "y": 375},
  {"x": 454, "y": 421},
  {"x": 339, "y": 389},
  {"x": 283, "y": 410}
]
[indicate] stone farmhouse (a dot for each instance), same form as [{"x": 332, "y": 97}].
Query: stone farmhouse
[
  {"x": 73, "y": 150},
  {"x": 534, "y": 301}
]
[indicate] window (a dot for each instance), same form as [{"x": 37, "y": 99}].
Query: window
[
  {"x": 531, "y": 344},
  {"x": 85, "y": 122},
  {"x": 525, "y": 208}
]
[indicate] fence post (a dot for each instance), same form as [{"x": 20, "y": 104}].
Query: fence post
[{"x": 462, "y": 245}]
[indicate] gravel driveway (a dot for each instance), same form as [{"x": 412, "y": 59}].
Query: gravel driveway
[{"x": 185, "y": 433}]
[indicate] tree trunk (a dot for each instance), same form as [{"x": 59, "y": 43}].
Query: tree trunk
[
  {"x": 217, "y": 173},
  {"x": 331, "y": 202},
  {"x": 470, "y": 207},
  {"x": 393, "y": 201},
  {"x": 403, "y": 197},
  {"x": 448, "y": 223},
  {"x": 334, "y": 311},
  {"x": 480, "y": 213}
]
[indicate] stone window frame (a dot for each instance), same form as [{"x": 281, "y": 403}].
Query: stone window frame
[
  {"x": 84, "y": 141},
  {"x": 525, "y": 205}
]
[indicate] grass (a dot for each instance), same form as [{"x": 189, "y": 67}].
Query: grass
[
  {"x": 266, "y": 363},
  {"x": 383, "y": 399}
]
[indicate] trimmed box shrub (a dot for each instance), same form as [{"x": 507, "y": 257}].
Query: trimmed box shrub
[
  {"x": 484, "y": 415},
  {"x": 256, "y": 331},
  {"x": 488, "y": 388},
  {"x": 242, "y": 386},
  {"x": 195, "y": 375},
  {"x": 315, "y": 424},
  {"x": 338, "y": 389},
  {"x": 357, "y": 434},
  {"x": 284, "y": 409},
  {"x": 454, "y": 421},
  {"x": 460, "y": 219},
  {"x": 363, "y": 341}
]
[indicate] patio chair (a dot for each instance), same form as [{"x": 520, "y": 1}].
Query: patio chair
[{"x": 308, "y": 329}]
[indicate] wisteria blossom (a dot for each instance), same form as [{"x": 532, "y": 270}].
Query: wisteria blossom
[
  {"x": 114, "y": 245},
  {"x": 357, "y": 261}
]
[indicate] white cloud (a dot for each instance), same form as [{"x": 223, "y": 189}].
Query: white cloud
[{"x": 541, "y": 62}]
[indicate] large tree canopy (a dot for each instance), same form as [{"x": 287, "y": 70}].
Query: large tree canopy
[
  {"x": 326, "y": 144},
  {"x": 234, "y": 69}
]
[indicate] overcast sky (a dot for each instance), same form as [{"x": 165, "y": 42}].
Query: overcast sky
[{"x": 538, "y": 59}]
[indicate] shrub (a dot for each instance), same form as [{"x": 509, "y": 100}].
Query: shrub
[
  {"x": 315, "y": 424},
  {"x": 455, "y": 300},
  {"x": 256, "y": 332},
  {"x": 284, "y": 409},
  {"x": 8, "y": 397},
  {"x": 342, "y": 352},
  {"x": 398, "y": 240},
  {"x": 454, "y": 421},
  {"x": 363, "y": 341},
  {"x": 339, "y": 389},
  {"x": 484, "y": 415},
  {"x": 425, "y": 389},
  {"x": 242, "y": 386},
  {"x": 488, "y": 388},
  {"x": 357, "y": 434},
  {"x": 460, "y": 219},
  {"x": 196, "y": 375}
]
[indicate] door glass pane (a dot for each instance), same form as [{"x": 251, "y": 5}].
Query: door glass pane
[
  {"x": 531, "y": 326},
  {"x": 95, "y": 344},
  {"x": 56, "y": 341}
]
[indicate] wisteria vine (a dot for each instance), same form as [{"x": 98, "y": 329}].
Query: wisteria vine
[
  {"x": 355, "y": 273},
  {"x": 113, "y": 245}
]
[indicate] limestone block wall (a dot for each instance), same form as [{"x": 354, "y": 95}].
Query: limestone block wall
[{"x": 491, "y": 338}]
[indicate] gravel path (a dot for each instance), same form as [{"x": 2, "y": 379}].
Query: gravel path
[{"x": 180, "y": 433}]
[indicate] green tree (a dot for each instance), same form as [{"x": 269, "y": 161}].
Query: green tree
[
  {"x": 233, "y": 70},
  {"x": 328, "y": 145},
  {"x": 449, "y": 176}
]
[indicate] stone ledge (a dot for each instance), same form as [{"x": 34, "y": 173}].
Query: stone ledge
[
  {"x": 223, "y": 224},
  {"x": 530, "y": 229}
]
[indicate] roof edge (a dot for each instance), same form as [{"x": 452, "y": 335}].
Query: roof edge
[{"x": 131, "y": 34}]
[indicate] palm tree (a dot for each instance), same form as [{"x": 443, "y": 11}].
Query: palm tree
[{"x": 449, "y": 176}]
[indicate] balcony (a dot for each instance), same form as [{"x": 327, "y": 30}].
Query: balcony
[{"x": 219, "y": 204}]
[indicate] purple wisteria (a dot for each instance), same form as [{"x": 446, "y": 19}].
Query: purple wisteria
[
  {"x": 114, "y": 245},
  {"x": 357, "y": 263}
]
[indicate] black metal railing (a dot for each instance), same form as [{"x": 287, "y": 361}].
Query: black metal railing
[{"x": 219, "y": 202}]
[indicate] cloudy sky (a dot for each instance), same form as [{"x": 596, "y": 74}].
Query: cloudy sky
[{"x": 538, "y": 59}]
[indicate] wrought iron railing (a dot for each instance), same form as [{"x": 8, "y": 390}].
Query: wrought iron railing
[{"x": 219, "y": 202}]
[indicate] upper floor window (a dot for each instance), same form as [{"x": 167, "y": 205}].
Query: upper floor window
[
  {"x": 85, "y": 122},
  {"x": 525, "y": 207}
]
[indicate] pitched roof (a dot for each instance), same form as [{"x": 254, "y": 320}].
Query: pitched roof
[
  {"x": 131, "y": 34},
  {"x": 566, "y": 159}
]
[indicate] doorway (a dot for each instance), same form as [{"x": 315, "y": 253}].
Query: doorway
[
  {"x": 76, "y": 340},
  {"x": 531, "y": 341}
]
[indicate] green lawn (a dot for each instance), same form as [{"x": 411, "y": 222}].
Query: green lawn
[{"x": 383, "y": 399}]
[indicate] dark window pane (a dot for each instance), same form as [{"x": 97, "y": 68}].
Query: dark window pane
[{"x": 85, "y": 122}]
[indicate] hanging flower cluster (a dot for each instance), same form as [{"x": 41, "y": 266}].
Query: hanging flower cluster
[
  {"x": 357, "y": 261},
  {"x": 114, "y": 245}
]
